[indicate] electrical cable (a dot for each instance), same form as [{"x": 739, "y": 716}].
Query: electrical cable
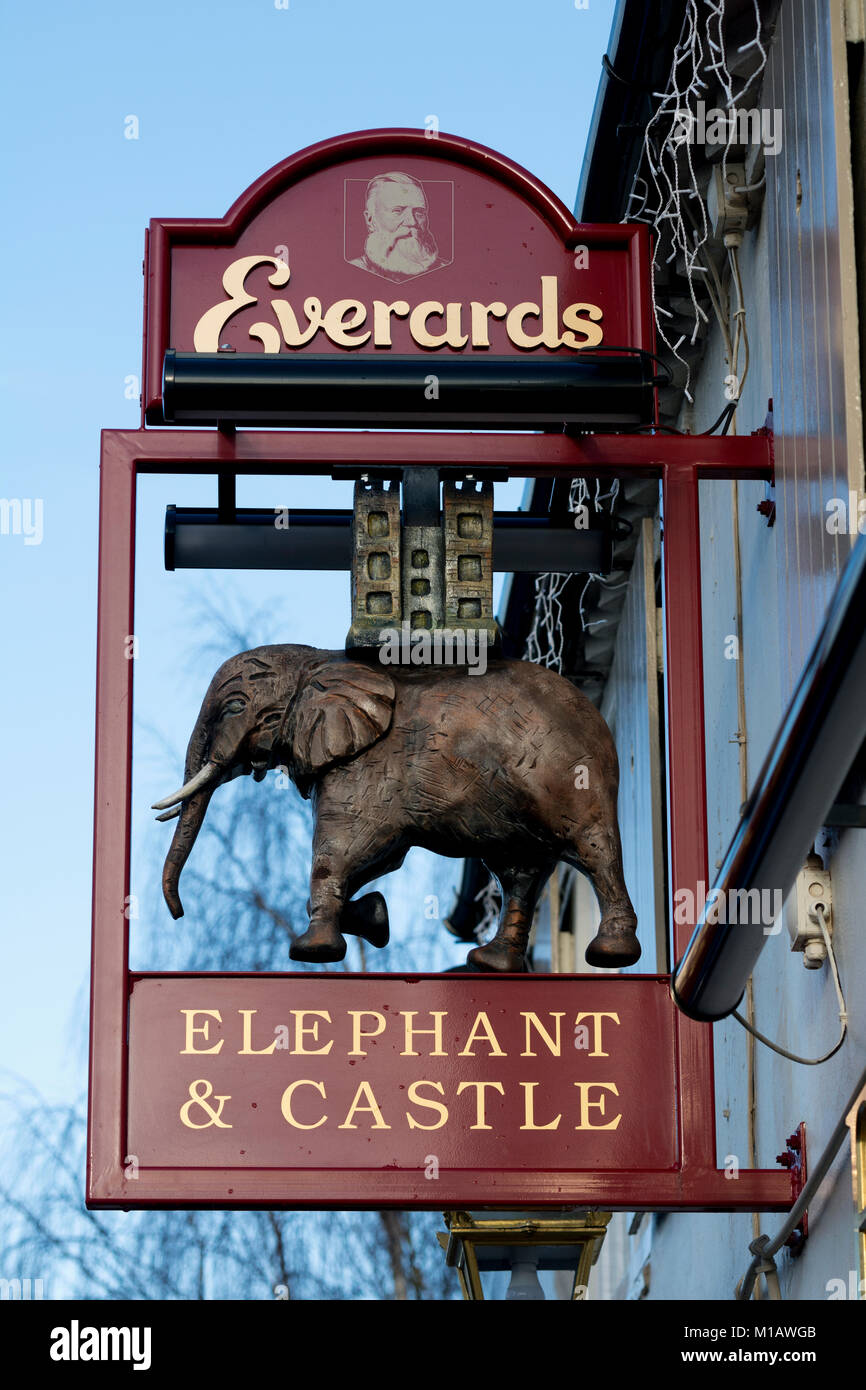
[
  {"x": 843, "y": 1011},
  {"x": 728, "y": 411},
  {"x": 740, "y": 316},
  {"x": 624, "y": 81},
  {"x": 641, "y": 352},
  {"x": 720, "y": 308}
]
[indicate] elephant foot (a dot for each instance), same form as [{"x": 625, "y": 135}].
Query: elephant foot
[
  {"x": 319, "y": 944},
  {"x": 367, "y": 917},
  {"x": 498, "y": 955},
  {"x": 614, "y": 945}
]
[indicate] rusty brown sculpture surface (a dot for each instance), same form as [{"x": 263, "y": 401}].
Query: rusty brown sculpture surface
[{"x": 514, "y": 767}]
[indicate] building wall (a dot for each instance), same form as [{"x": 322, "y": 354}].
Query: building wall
[
  {"x": 796, "y": 266},
  {"x": 814, "y": 337}
]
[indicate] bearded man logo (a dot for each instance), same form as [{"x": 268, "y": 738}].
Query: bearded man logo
[{"x": 399, "y": 244}]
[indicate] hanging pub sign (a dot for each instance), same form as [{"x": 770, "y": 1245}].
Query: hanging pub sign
[
  {"x": 313, "y": 300},
  {"x": 415, "y": 1091},
  {"x": 389, "y": 279}
]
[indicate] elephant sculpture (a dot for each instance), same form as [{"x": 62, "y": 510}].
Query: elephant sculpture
[{"x": 516, "y": 768}]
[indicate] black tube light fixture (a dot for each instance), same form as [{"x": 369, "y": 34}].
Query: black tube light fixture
[
  {"x": 197, "y": 538},
  {"x": 587, "y": 389}
]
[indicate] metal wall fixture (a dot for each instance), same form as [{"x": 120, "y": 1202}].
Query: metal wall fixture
[
  {"x": 812, "y": 895},
  {"x": 480, "y": 1245}
]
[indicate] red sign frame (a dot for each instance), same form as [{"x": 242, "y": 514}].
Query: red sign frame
[{"x": 681, "y": 462}]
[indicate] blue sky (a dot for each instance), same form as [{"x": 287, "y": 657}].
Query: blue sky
[{"x": 222, "y": 91}]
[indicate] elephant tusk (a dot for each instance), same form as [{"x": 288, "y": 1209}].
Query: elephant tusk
[
  {"x": 170, "y": 815},
  {"x": 201, "y": 779}
]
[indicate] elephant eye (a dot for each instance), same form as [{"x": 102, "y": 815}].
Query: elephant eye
[{"x": 234, "y": 707}]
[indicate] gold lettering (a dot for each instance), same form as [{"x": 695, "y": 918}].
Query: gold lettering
[
  {"x": 480, "y": 1099},
  {"x": 358, "y": 1032},
  {"x": 372, "y": 1108},
  {"x": 411, "y": 1030},
  {"x": 343, "y": 320},
  {"x": 192, "y": 1029},
  {"x": 418, "y": 324},
  {"x": 514, "y": 325},
  {"x": 248, "y": 1050},
  {"x": 586, "y": 1104},
  {"x": 596, "y": 1031},
  {"x": 489, "y": 1036},
  {"x": 529, "y": 1108},
  {"x": 200, "y": 1093},
  {"x": 429, "y": 1103},
  {"x": 292, "y": 334},
  {"x": 286, "y": 1103},
  {"x": 337, "y": 330},
  {"x": 267, "y": 335},
  {"x": 533, "y": 1020},
  {"x": 592, "y": 332},
  {"x": 480, "y": 326},
  {"x": 549, "y": 311},
  {"x": 453, "y": 336},
  {"x": 382, "y": 319},
  {"x": 302, "y": 1029},
  {"x": 209, "y": 329}
]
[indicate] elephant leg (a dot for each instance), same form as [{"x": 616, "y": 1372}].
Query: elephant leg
[
  {"x": 597, "y": 852},
  {"x": 521, "y": 889},
  {"x": 340, "y": 867},
  {"x": 367, "y": 917}
]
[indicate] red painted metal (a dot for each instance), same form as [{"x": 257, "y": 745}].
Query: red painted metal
[
  {"x": 687, "y": 776},
  {"x": 261, "y": 1161},
  {"x": 111, "y": 815},
  {"x": 794, "y": 1159},
  {"x": 318, "y": 452},
  {"x": 586, "y": 1114},
  {"x": 502, "y": 230},
  {"x": 695, "y": 1183}
]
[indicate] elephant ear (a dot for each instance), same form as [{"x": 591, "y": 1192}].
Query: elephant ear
[{"x": 342, "y": 709}]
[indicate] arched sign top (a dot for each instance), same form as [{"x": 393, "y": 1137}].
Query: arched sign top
[
  {"x": 451, "y": 149},
  {"x": 392, "y": 241}
]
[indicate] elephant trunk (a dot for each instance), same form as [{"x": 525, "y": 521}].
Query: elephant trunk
[
  {"x": 192, "y": 814},
  {"x": 185, "y": 834}
]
